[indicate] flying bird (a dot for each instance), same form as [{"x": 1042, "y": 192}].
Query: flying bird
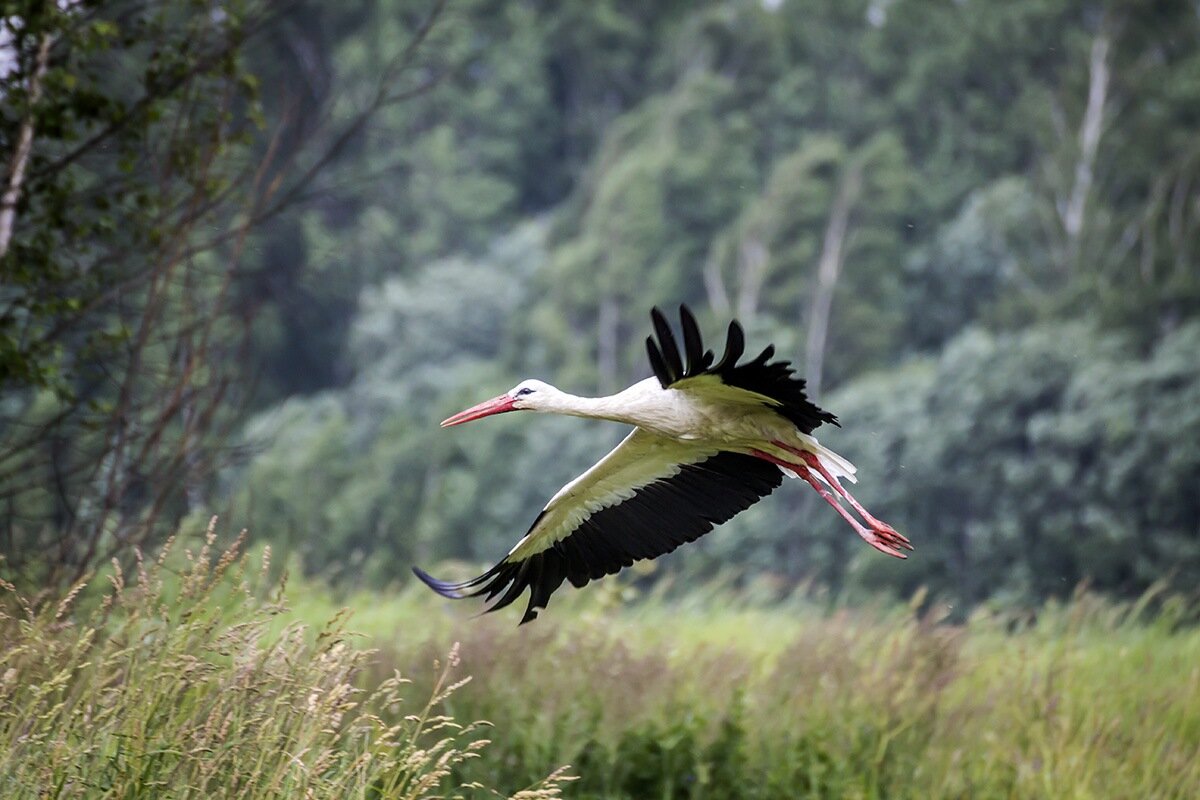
[{"x": 710, "y": 439}]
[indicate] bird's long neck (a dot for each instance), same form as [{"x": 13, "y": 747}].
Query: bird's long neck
[{"x": 620, "y": 407}]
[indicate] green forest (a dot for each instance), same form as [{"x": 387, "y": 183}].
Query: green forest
[{"x": 253, "y": 251}]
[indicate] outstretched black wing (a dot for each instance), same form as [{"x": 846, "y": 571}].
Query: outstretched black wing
[
  {"x": 775, "y": 380},
  {"x": 644, "y": 499}
]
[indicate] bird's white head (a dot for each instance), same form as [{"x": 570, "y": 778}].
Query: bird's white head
[{"x": 528, "y": 395}]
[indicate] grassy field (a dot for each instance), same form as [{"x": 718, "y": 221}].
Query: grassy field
[{"x": 197, "y": 681}]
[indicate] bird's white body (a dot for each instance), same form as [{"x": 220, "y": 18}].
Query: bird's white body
[
  {"x": 713, "y": 412},
  {"x": 697, "y": 412}
]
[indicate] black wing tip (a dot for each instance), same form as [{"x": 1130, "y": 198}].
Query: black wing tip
[
  {"x": 452, "y": 591},
  {"x": 504, "y": 583},
  {"x": 735, "y": 346},
  {"x": 766, "y": 355},
  {"x": 667, "y": 346},
  {"x": 665, "y": 358},
  {"x": 693, "y": 345},
  {"x": 656, "y": 362}
]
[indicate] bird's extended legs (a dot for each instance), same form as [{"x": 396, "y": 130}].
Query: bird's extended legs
[
  {"x": 880, "y": 535},
  {"x": 877, "y": 525}
]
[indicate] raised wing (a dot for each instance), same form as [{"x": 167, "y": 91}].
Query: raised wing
[
  {"x": 773, "y": 381},
  {"x": 645, "y": 498}
]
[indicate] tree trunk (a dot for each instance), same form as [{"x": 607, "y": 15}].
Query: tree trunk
[
  {"x": 829, "y": 268},
  {"x": 753, "y": 256},
  {"x": 1090, "y": 129},
  {"x": 714, "y": 284},
  {"x": 20, "y": 156}
]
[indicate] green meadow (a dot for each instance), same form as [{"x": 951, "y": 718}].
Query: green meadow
[{"x": 200, "y": 676}]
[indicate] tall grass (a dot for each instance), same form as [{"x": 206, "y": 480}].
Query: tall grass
[
  {"x": 186, "y": 683},
  {"x": 1087, "y": 699}
]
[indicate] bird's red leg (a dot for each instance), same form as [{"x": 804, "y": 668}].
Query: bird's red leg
[
  {"x": 874, "y": 538},
  {"x": 885, "y": 531}
]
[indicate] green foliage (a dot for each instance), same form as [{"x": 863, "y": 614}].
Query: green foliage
[
  {"x": 1015, "y": 345},
  {"x": 195, "y": 686},
  {"x": 339, "y": 474},
  {"x": 1025, "y": 463},
  {"x": 1010, "y": 188},
  {"x": 131, "y": 118},
  {"x": 513, "y": 99},
  {"x": 989, "y": 264},
  {"x": 184, "y": 680}
]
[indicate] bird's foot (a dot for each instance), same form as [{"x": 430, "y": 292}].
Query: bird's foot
[
  {"x": 890, "y": 537},
  {"x": 875, "y": 540}
]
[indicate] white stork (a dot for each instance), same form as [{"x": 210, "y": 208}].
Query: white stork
[{"x": 709, "y": 441}]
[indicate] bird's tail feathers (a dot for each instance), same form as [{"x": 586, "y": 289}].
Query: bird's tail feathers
[{"x": 836, "y": 465}]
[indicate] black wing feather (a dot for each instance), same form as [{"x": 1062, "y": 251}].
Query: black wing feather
[
  {"x": 656, "y": 362},
  {"x": 658, "y": 518},
  {"x": 775, "y": 380},
  {"x": 735, "y": 345},
  {"x": 666, "y": 342},
  {"x": 692, "y": 347}
]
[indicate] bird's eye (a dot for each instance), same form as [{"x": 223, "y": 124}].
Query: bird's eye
[{"x": 524, "y": 392}]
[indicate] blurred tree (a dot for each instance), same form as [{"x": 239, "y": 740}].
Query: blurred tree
[
  {"x": 666, "y": 179},
  {"x": 876, "y": 182},
  {"x": 521, "y": 92},
  {"x": 137, "y": 171},
  {"x": 991, "y": 263},
  {"x": 1121, "y": 160},
  {"x": 1026, "y": 463},
  {"x": 824, "y": 205},
  {"x": 382, "y": 484},
  {"x": 129, "y": 193}
]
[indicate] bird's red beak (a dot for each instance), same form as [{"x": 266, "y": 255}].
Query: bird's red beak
[{"x": 497, "y": 405}]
